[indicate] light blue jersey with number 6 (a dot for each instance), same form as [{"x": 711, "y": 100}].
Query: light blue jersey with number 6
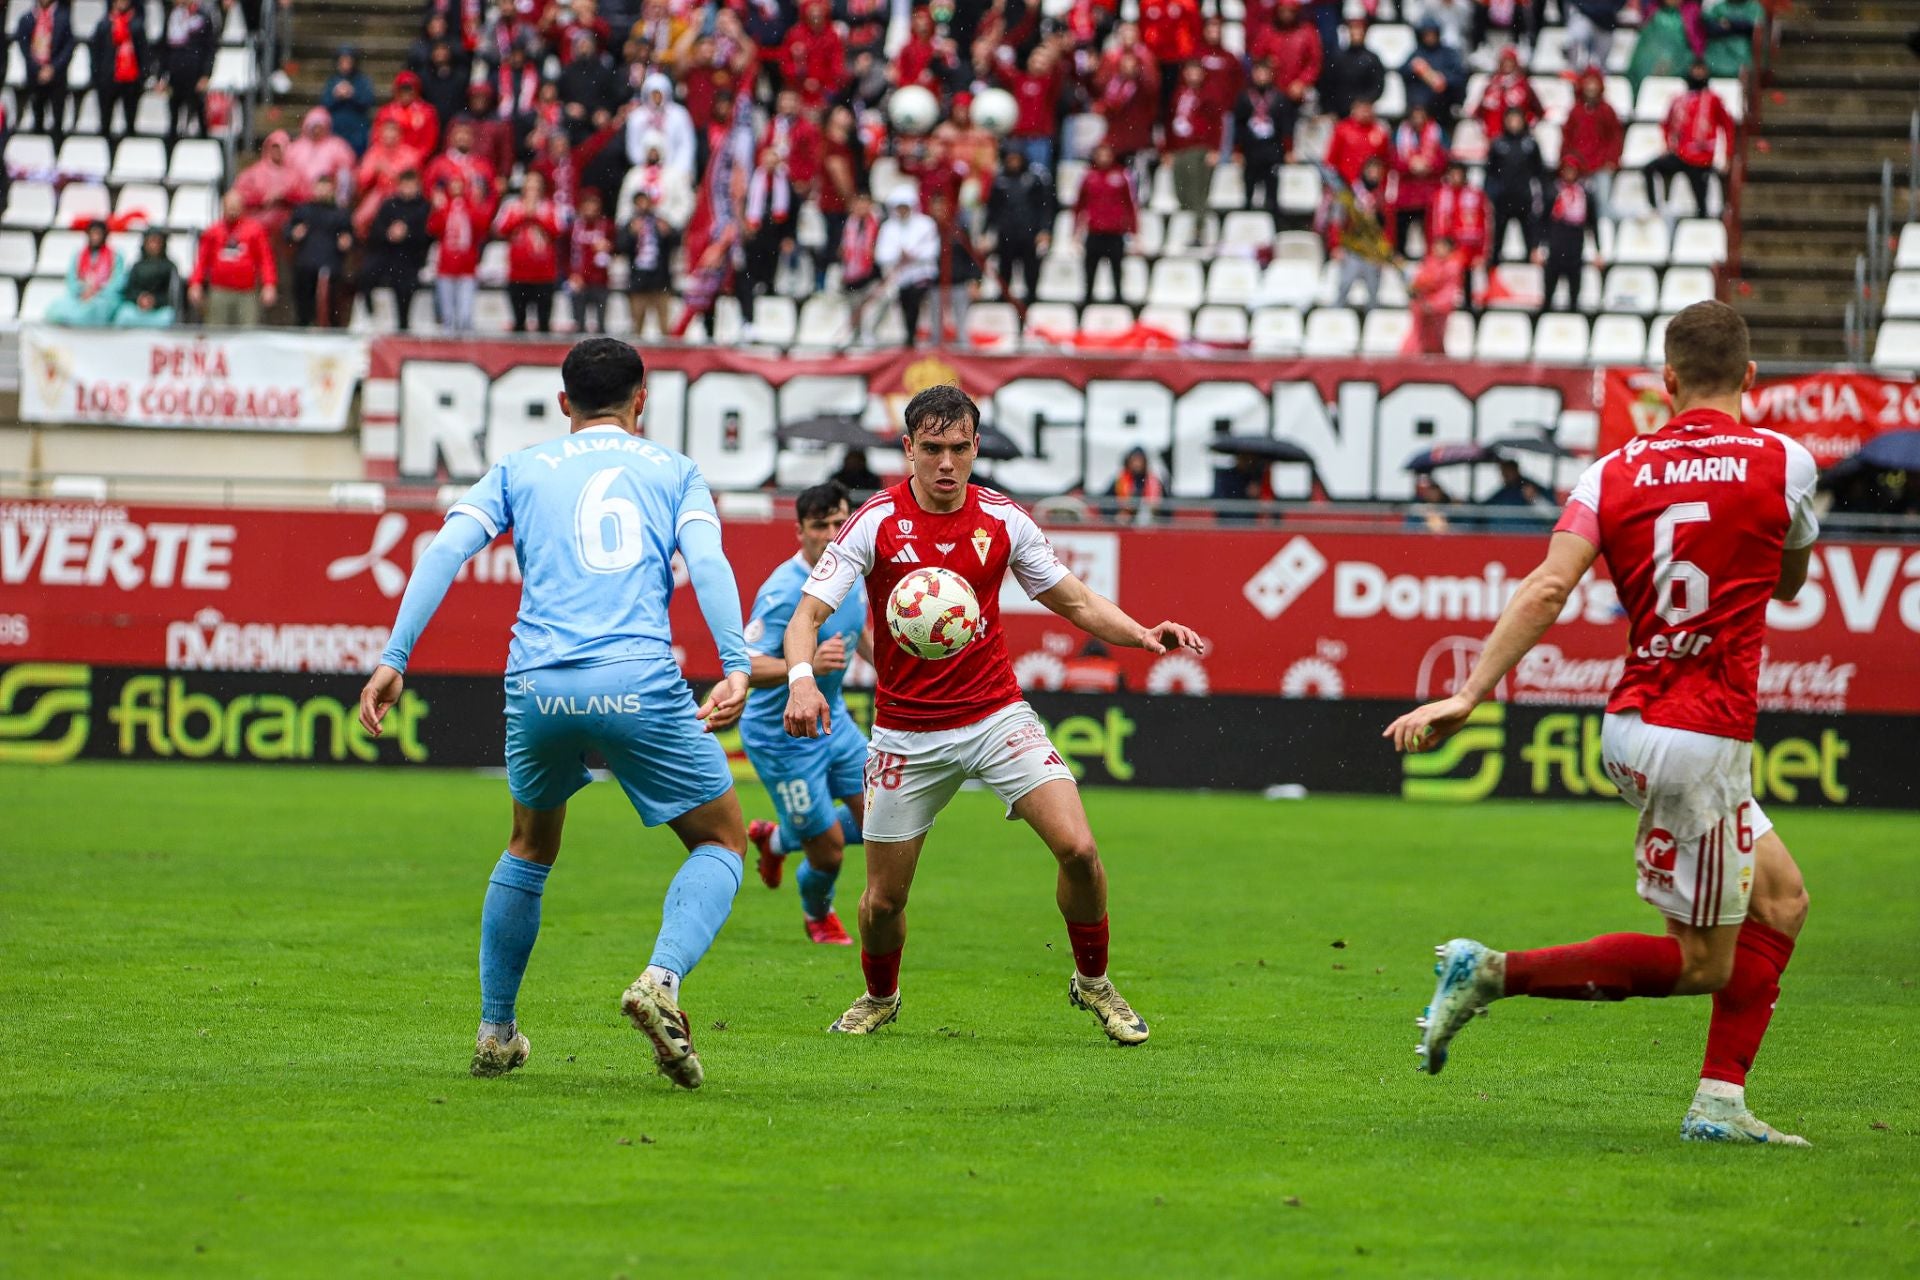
[{"x": 596, "y": 517}]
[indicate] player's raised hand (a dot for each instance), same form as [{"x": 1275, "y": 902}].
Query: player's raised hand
[
  {"x": 725, "y": 702},
  {"x": 1171, "y": 635},
  {"x": 381, "y": 692},
  {"x": 1425, "y": 728},
  {"x": 831, "y": 656},
  {"x": 807, "y": 714}
]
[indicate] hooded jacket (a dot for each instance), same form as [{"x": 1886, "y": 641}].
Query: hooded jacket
[{"x": 320, "y": 153}]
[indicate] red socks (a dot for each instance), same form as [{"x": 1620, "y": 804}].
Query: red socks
[
  {"x": 1742, "y": 1008},
  {"x": 1610, "y": 967},
  {"x": 1089, "y": 947},
  {"x": 883, "y": 973}
]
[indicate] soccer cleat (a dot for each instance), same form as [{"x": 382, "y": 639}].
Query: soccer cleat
[
  {"x": 1115, "y": 1015},
  {"x": 656, "y": 1016},
  {"x": 1471, "y": 977},
  {"x": 867, "y": 1015},
  {"x": 491, "y": 1058},
  {"x": 829, "y": 931},
  {"x": 771, "y": 865},
  {"x": 1725, "y": 1120}
]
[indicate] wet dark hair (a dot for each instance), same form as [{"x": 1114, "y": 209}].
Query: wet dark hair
[
  {"x": 601, "y": 375},
  {"x": 942, "y": 406},
  {"x": 1708, "y": 349},
  {"x": 821, "y": 500}
]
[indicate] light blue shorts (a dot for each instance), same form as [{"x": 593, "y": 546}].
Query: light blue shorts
[
  {"x": 637, "y": 715},
  {"x": 806, "y": 775}
]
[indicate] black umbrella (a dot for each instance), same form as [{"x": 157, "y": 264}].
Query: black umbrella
[
  {"x": 1543, "y": 444},
  {"x": 1450, "y": 455},
  {"x": 1273, "y": 450},
  {"x": 997, "y": 446},
  {"x": 1894, "y": 451},
  {"x": 831, "y": 428}
]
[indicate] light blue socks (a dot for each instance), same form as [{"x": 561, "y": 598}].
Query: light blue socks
[
  {"x": 816, "y": 890},
  {"x": 786, "y": 840},
  {"x": 698, "y": 903},
  {"x": 509, "y": 923}
]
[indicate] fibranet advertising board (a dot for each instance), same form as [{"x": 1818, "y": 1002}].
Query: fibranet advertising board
[{"x": 52, "y": 713}]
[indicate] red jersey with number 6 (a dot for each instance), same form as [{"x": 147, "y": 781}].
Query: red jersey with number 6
[
  {"x": 890, "y": 537},
  {"x": 1692, "y": 520}
]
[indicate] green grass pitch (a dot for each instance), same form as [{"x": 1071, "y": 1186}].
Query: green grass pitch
[{"x": 238, "y": 1006}]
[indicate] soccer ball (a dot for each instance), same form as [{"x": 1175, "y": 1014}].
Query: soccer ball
[
  {"x": 995, "y": 111},
  {"x": 933, "y": 613},
  {"x": 913, "y": 110}
]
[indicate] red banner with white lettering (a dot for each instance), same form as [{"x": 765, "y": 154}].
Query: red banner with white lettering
[
  {"x": 1831, "y": 413},
  {"x": 1305, "y": 614},
  {"x": 437, "y": 410}
]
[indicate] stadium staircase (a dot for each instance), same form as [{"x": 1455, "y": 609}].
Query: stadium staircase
[
  {"x": 1836, "y": 116},
  {"x": 381, "y": 30}
]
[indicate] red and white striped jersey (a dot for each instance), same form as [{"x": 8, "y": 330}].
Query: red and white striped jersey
[
  {"x": 1692, "y": 520},
  {"x": 891, "y": 536}
]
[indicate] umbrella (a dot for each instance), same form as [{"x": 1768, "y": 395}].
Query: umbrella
[
  {"x": 832, "y": 428},
  {"x": 1542, "y": 443},
  {"x": 1262, "y": 447},
  {"x": 997, "y": 446},
  {"x": 1450, "y": 455},
  {"x": 1894, "y": 451}
]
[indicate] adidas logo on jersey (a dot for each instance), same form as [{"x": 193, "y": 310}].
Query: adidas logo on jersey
[{"x": 906, "y": 555}]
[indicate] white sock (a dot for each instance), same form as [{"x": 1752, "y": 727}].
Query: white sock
[
  {"x": 501, "y": 1031},
  {"x": 1085, "y": 981},
  {"x": 666, "y": 979},
  {"x": 777, "y": 843},
  {"x": 1722, "y": 1089}
]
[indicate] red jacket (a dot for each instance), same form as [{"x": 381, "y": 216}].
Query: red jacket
[
  {"x": 419, "y": 125},
  {"x": 460, "y": 226},
  {"x": 800, "y": 139},
  {"x": 1460, "y": 214},
  {"x": 1413, "y": 190},
  {"x": 1592, "y": 137},
  {"x": 590, "y": 251},
  {"x": 1038, "y": 97},
  {"x": 1505, "y": 90},
  {"x": 1196, "y": 121},
  {"x": 1294, "y": 52},
  {"x": 1224, "y": 75},
  {"x": 1695, "y": 121},
  {"x": 814, "y": 62},
  {"x": 532, "y": 254},
  {"x": 1131, "y": 104},
  {"x": 235, "y": 255},
  {"x": 1353, "y": 144},
  {"x": 1106, "y": 202},
  {"x": 470, "y": 168},
  {"x": 1171, "y": 28}
]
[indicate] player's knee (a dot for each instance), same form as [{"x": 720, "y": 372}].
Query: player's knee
[
  {"x": 1784, "y": 910},
  {"x": 1078, "y": 854},
  {"x": 880, "y": 901},
  {"x": 1704, "y": 974},
  {"x": 827, "y": 850}
]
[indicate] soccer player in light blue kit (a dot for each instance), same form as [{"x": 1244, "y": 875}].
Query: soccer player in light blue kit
[
  {"x": 596, "y": 518},
  {"x": 815, "y": 782}
]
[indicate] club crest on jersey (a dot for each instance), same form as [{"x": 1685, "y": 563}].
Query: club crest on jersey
[
  {"x": 982, "y": 540},
  {"x": 905, "y": 527}
]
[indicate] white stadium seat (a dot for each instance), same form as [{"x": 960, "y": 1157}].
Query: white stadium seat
[
  {"x": 1898, "y": 346},
  {"x": 1299, "y": 188},
  {"x": 82, "y": 157},
  {"x": 1277, "y": 331},
  {"x": 1641, "y": 242},
  {"x": 1290, "y": 283},
  {"x": 1233, "y": 281},
  {"x": 1561, "y": 337},
  {"x": 1681, "y": 287},
  {"x": 1051, "y": 322},
  {"x": 1176, "y": 322},
  {"x": 17, "y": 253},
  {"x": 1106, "y": 319},
  {"x": 989, "y": 324},
  {"x": 1903, "y": 295},
  {"x": 1331, "y": 332},
  {"x": 58, "y": 249},
  {"x": 1251, "y": 228},
  {"x": 9, "y": 301},
  {"x": 1656, "y": 95},
  {"x": 1176, "y": 282},
  {"x": 1909, "y": 255},
  {"x": 196, "y": 160},
  {"x": 39, "y": 295},
  {"x": 82, "y": 202},
  {"x": 775, "y": 320},
  {"x": 1632, "y": 289},
  {"x": 1226, "y": 326},
  {"x": 1384, "y": 331},
  {"x": 144, "y": 198},
  {"x": 1063, "y": 278},
  {"x": 139, "y": 160},
  {"x": 1300, "y": 246},
  {"x": 1643, "y": 145},
  {"x": 29, "y": 153},
  {"x": 1504, "y": 335},
  {"x": 193, "y": 209},
  {"x": 1618, "y": 339},
  {"x": 1657, "y": 339},
  {"x": 30, "y": 205},
  {"x": 1699, "y": 242}
]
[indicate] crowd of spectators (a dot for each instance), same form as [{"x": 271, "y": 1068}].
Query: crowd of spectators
[{"x": 688, "y": 142}]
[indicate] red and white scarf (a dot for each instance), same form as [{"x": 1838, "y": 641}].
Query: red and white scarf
[{"x": 768, "y": 185}]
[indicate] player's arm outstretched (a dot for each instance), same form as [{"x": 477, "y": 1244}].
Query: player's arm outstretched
[
  {"x": 462, "y": 537},
  {"x": 719, "y": 597},
  {"x": 1104, "y": 620},
  {"x": 1527, "y": 617},
  {"x": 807, "y": 715}
]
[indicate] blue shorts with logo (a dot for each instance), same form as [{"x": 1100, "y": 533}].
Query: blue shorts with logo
[
  {"x": 638, "y": 715},
  {"x": 806, "y": 775}
]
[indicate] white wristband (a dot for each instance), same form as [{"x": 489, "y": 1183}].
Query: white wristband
[{"x": 800, "y": 671}]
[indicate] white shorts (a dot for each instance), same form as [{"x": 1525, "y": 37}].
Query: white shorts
[
  {"x": 1698, "y": 818},
  {"x": 911, "y": 776}
]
